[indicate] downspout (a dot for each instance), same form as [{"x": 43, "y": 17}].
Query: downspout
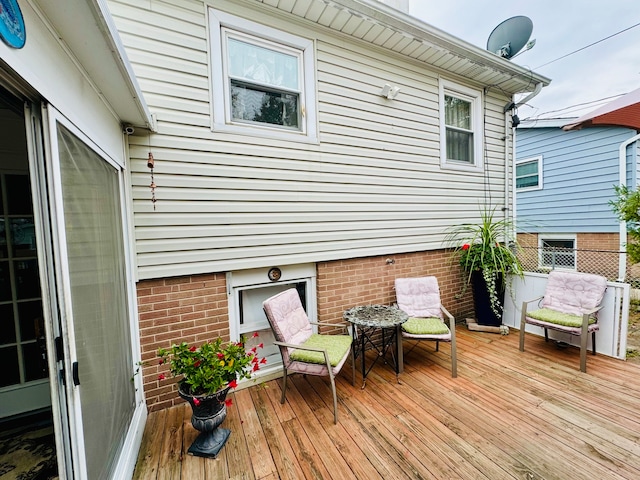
[
  {"x": 622, "y": 158},
  {"x": 510, "y": 106}
]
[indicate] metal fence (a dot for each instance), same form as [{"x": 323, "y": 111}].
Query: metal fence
[{"x": 608, "y": 263}]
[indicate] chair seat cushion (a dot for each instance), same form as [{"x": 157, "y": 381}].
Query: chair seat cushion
[
  {"x": 559, "y": 318},
  {"x": 335, "y": 345},
  {"x": 425, "y": 326}
]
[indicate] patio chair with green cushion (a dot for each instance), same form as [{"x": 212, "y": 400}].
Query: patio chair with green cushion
[
  {"x": 302, "y": 350},
  {"x": 420, "y": 299},
  {"x": 570, "y": 304}
]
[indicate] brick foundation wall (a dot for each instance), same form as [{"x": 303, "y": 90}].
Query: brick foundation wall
[
  {"x": 598, "y": 241},
  {"x": 596, "y": 253},
  {"x": 194, "y": 308},
  {"x": 173, "y": 310},
  {"x": 344, "y": 284}
]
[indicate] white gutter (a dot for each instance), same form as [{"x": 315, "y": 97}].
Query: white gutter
[
  {"x": 535, "y": 92},
  {"x": 107, "y": 25},
  {"x": 622, "y": 158}
]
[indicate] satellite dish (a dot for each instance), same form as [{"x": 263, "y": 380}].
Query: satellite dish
[{"x": 509, "y": 37}]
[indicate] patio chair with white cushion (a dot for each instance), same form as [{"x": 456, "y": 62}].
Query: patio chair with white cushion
[
  {"x": 570, "y": 304},
  {"x": 420, "y": 299},
  {"x": 302, "y": 350}
]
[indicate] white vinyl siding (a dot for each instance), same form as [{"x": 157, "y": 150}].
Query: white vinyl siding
[{"x": 373, "y": 184}]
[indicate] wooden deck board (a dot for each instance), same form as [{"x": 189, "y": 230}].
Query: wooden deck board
[{"x": 508, "y": 415}]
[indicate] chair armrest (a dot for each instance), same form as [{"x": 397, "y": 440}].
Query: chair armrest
[
  {"x": 537, "y": 299},
  {"x": 299, "y": 347},
  {"x": 338, "y": 325},
  {"x": 452, "y": 320},
  {"x": 593, "y": 310}
]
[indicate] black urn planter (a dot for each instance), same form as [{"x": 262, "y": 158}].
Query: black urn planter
[
  {"x": 209, "y": 411},
  {"x": 482, "y": 301}
]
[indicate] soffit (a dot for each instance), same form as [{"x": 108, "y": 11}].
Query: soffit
[
  {"x": 88, "y": 31},
  {"x": 381, "y": 25}
]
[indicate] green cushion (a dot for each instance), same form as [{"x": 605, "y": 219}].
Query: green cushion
[
  {"x": 559, "y": 318},
  {"x": 425, "y": 326},
  {"x": 335, "y": 345}
]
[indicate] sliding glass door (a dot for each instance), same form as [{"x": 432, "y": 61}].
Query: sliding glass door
[{"x": 92, "y": 283}]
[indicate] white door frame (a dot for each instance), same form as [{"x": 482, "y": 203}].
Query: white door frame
[{"x": 126, "y": 462}]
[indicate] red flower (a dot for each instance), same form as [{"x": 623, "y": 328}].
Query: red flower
[
  {"x": 196, "y": 402},
  {"x": 161, "y": 376},
  {"x": 220, "y": 355},
  {"x": 197, "y": 364},
  {"x": 255, "y": 334},
  {"x": 254, "y": 349},
  {"x": 228, "y": 402},
  {"x": 232, "y": 384},
  {"x": 193, "y": 349},
  {"x": 261, "y": 345},
  {"x": 466, "y": 246},
  {"x": 256, "y": 367},
  {"x": 264, "y": 360},
  {"x": 161, "y": 361}
]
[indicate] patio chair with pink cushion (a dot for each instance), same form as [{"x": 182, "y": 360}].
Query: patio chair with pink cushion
[
  {"x": 570, "y": 305},
  {"x": 302, "y": 350},
  {"x": 420, "y": 299}
]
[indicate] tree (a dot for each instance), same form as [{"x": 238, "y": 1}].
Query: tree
[{"x": 627, "y": 207}]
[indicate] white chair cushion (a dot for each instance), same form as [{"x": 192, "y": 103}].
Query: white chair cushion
[{"x": 419, "y": 297}]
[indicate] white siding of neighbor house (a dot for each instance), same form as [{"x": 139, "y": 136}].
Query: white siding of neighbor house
[{"x": 372, "y": 186}]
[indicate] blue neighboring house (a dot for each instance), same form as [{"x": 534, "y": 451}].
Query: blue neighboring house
[{"x": 564, "y": 181}]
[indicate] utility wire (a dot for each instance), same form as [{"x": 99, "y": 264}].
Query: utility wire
[
  {"x": 587, "y": 46},
  {"x": 577, "y": 105}
]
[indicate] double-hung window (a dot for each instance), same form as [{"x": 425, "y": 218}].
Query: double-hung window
[
  {"x": 262, "y": 80},
  {"x": 529, "y": 174},
  {"x": 460, "y": 126}
]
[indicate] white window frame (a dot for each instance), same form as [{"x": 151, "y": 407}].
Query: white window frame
[
  {"x": 475, "y": 98},
  {"x": 537, "y": 159},
  {"x": 557, "y": 237},
  {"x": 221, "y": 25}
]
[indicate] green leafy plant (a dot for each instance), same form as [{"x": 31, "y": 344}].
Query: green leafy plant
[
  {"x": 490, "y": 247},
  {"x": 627, "y": 207},
  {"x": 212, "y": 366}
]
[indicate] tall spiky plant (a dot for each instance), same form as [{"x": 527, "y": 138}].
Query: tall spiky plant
[{"x": 490, "y": 247}]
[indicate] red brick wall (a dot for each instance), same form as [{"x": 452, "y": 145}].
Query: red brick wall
[
  {"x": 598, "y": 241},
  {"x": 195, "y": 309},
  {"x": 344, "y": 284},
  {"x": 173, "y": 310}
]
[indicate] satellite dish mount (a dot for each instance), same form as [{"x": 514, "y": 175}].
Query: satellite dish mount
[{"x": 510, "y": 36}]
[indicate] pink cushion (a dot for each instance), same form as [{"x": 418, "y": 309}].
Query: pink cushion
[
  {"x": 288, "y": 319},
  {"x": 573, "y": 292},
  {"x": 419, "y": 297}
]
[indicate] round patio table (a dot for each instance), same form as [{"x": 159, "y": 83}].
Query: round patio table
[{"x": 371, "y": 322}]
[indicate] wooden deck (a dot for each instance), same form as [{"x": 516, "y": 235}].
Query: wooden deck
[{"x": 509, "y": 414}]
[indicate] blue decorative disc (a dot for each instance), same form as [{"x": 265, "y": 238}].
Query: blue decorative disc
[{"x": 12, "y": 28}]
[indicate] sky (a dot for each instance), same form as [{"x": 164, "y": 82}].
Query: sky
[{"x": 603, "y": 71}]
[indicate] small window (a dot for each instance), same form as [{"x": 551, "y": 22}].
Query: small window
[
  {"x": 529, "y": 174},
  {"x": 460, "y": 126},
  {"x": 558, "y": 253},
  {"x": 263, "y": 80}
]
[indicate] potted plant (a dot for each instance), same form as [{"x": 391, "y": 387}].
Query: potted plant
[
  {"x": 205, "y": 375},
  {"x": 487, "y": 253}
]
